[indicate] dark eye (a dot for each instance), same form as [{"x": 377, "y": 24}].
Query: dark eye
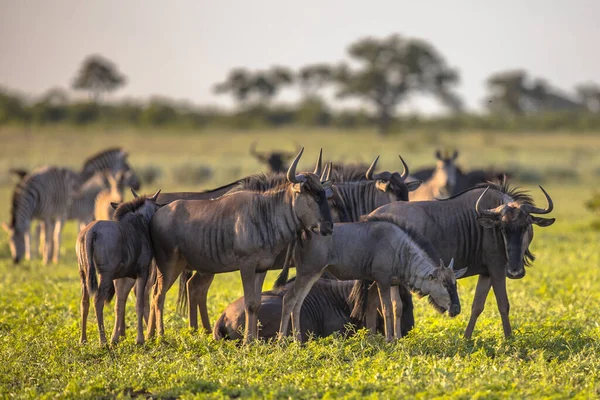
[{"x": 317, "y": 199}]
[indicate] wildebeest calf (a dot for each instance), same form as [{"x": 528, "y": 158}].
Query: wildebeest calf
[{"x": 116, "y": 249}]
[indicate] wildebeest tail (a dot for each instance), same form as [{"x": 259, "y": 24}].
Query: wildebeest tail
[
  {"x": 182, "y": 296},
  {"x": 285, "y": 271},
  {"x": 85, "y": 255},
  {"x": 358, "y": 296},
  {"x": 219, "y": 330}
]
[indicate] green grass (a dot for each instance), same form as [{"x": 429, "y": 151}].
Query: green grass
[{"x": 554, "y": 353}]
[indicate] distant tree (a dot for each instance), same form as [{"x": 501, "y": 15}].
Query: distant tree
[
  {"x": 311, "y": 78},
  {"x": 589, "y": 95},
  {"x": 51, "y": 107},
  {"x": 98, "y": 75},
  {"x": 254, "y": 87},
  {"x": 508, "y": 91},
  {"x": 392, "y": 69},
  {"x": 12, "y": 107}
]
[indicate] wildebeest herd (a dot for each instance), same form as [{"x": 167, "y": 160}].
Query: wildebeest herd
[{"x": 361, "y": 241}]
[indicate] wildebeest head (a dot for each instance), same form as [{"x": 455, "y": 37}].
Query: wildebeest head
[
  {"x": 515, "y": 221},
  {"x": 441, "y": 287},
  {"x": 143, "y": 205},
  {"x": 445, "y": 173},
  {"x": 393, "y": 183},
  {"x": 276, "y": 160},
  {"x": 310, "y": 198}
]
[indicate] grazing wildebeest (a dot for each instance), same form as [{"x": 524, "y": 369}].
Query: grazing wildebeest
[
  {"x": 326, "y": 310},
  {"x": 276, "y": 160},
  {"x": 377, "y": 250},
  {"x": 242, "y": 231},
  {"x": 347, "y": 202},
  {"x": 487, "y": 228},
  {"x": 441, "y": 182},
  {"x": 109, "y": 250}
]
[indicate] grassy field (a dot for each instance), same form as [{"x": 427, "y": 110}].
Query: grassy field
[{"x": 554, "y": 353}]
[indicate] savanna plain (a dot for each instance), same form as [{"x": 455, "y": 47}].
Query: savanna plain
[{"x": 554, "y": 352}]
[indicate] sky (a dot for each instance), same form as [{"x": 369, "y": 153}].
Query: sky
[{"x": 180, "y": 49}]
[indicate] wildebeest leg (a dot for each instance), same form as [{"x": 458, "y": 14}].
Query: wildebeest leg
[
  {"x": 57, "y": 233},
  {"x": 84, "y": 308},
  {"x": 481, "y": 291},
  {"x": 250, "y": 305},
  {"x": 47, "y": 249},
  {"x": 165, "y": 279},
  {"x": 397, "y": 306},
  {"x": 197, "y": 287},
  {"x": 372, "y": 310},
  {"x": 499, "y": 285},
  {"x": 140, "y": 285},
  {"x": 122, "y": 288},
  {"x": 99, "y": 306},
  {"x": 386, "y": 308},
  {"x": 27, "y": 246},
  {"x": 301, "y": 295},
  {"x": 259, "y": 279}
]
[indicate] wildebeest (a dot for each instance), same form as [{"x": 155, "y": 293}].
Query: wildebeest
[
  {"x": 487, "y": 228},
  {"x": 108, "y": 250},
  {"x": 276, "y": 160},
  {"x": 242, "y": 231},
  {"x": 441, "y": 182},
  {"x": 376, "y": 250},
  {"x": 326, "y": 310}
]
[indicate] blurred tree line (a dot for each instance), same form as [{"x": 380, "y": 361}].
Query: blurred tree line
[{"x": 381, "y": 74}]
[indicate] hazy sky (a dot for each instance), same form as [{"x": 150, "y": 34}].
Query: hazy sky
[{"x": 181, "y": 48}]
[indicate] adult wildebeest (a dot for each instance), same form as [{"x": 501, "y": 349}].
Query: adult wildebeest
[
  {"x": 487, "y": 228},
  {"x": 378, "y": 250},
  {"x": 108, "y": 250},
  {"x": 326, "y": 310},
  {"x": 347, "y": 201},
  {"x": 276, "y": 160},
  {"x": 442, "y": 181},
  {"x": 242, "y": 231}
]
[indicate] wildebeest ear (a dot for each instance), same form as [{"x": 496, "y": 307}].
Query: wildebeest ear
[
  {"x": 382, "y": 185},
  {"x": 438, "y": 155},
  {"x": 455, "y": 155},
  {"x": 459, "y": 274},
  {"x": 414, "y": 185},
  {"x": 487, "y": 221},
  {"x": 114, "y": 205},
  {"x": 298, "y": 187},
  {"x": 328, "y": 192},
  {"x": 543, "y": 222}
]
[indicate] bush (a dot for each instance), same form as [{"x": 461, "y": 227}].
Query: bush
[
  {"x": 148, "y": 174},
  {"x": 190, "y": 174}
]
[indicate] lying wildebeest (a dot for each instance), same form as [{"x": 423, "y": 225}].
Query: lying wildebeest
[
  {"x": 276, "y": 160},
  {"x": 347, "y": 201},
  {"x": 108, "y": 250},
  {"x": 487, "y": 228},
  {"x": 441, "y": 182},
  {"x": 378, "y": 250},
  {"x": 242, "y": 231},
  {"x": 326, "y": 310}
]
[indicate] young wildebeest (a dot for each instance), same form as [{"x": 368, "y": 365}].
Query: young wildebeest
[
  {"x": 109, "y": 250},
  {"x": 326, "y": 310},
  {"x": 442, "y": 181},
  {"x": 242, "y": 231},
  {"x": 488, "y": 228},
  {"x": 376, "y": 250}
]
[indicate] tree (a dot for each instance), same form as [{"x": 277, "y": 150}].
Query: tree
[
  {"x": 98, "y": 75},
  {"x": 393, "y": 68},
  {"x": 313, "y": 77},
  {"x": 255, "y": 87},
  {"x": 508, "y": 91}
]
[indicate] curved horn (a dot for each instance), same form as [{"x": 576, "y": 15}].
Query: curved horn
[
  {"x": 291, "y": 173},
  {"x": 328, "y": 177},
  {"x": 155, "y": 195},
  {"x": 369, "y": 174},
  {"x": 405, "y": 170},
  {"x": 325, "y": 173},
  {"x": 319, "y": 167},
  {"x": 534, "y": 210},
  {"x": 135, "y": 195},
  {"x": 483, "y": 212},
  {"x": 451, "y": 265}
]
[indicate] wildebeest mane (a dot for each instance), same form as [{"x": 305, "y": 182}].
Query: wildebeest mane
[
  {"x": 262, "y": 182},
  {"x": 518, "y": 195},
  {"x": 415, "y": 236},
  {"x": 129, "y": 207},
  {"x": 349, "y": 172}
]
